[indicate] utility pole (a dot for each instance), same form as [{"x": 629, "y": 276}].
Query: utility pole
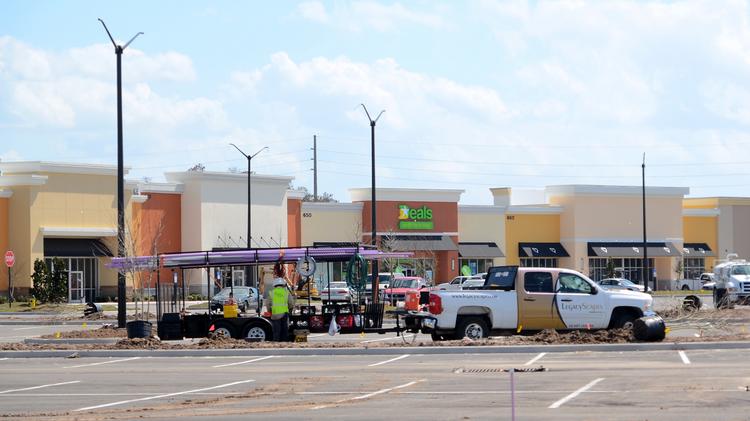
[
  {"x": 315, "y": 168},
  {"x": 646, "y": 271},
  {"x": 121, "y": 318},
  {"x": 375, "y": 278}
]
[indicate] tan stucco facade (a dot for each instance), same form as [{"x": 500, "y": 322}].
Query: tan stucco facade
[
  {"x": 331, "y": 222},
  {"x": 483, "y": 224}
]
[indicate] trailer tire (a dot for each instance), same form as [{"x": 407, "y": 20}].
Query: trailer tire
[
  {"x": 257, "y": 331},
  {"x": 223, "y": 329},
  {"x": 472, "y": 328}
]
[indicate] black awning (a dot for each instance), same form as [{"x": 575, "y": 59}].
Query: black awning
[
  {"x": 421, "y": 243},
  {"x": 631, "y": 249},
  {"x": 542, "y": 250},
  {"x": 335, "y": 244},
  {"x": 479, "y": 250},
  {"x": 697, "y": 250},
  {"x": 75, "y": 247}
]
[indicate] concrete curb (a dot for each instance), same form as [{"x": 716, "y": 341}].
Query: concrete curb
[
  {"x": 56, "y": 322},
  {"x": 436, "y": 350}
]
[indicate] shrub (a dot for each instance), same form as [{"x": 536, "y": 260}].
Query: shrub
[{"x": 50, "y": 287}]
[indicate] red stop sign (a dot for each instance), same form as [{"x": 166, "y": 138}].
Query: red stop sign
[{"x": 10, "y": 258}]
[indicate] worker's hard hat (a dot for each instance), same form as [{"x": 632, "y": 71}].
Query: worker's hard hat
[{"x": 279, "y": 282}]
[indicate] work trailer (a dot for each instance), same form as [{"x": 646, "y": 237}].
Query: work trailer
[{"x": 175, "y": 321}]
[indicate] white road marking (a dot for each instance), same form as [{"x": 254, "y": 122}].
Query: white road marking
[
  {"x": 37, "y": 387},
  {"x": 244, "y": 362},
  {"x": 32, "y": 327},
  {"x": 371, "y": 394},
  {"x": 535, "y": 359},
  {"x": 166, "y": 395},
  {"x": 385, "y": 339},
  {"x": 389, "y": 361},
  {"x": 3, "y": 359},
  {"x": 316, "y": 335},
  {"x": 684, "y": 357},
  {"x": 104, "y": 362},
  {"x": 576, "y": 393}
]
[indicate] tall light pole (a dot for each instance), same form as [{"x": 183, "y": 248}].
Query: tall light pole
[
  {"x": 646, "y": 270},
  {"x": 120, "y": 179},
  {"x": 249, "y": 189},
  {"x": 375, "y": 278}
]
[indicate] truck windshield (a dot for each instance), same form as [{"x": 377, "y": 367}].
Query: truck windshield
[
  {"x": 404, "y": 283},
  {"x": 741, "y": 270}
]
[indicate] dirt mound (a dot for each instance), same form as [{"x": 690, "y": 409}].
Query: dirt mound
[
  {"x": 106, "y": 331},
  {"x": 138, "y": 343}
]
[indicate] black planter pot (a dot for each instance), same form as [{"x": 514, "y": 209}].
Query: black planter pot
[{"x": 138, "y": 329}]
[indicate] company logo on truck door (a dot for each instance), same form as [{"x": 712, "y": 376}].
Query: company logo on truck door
[{"x": 415, "y": 218}]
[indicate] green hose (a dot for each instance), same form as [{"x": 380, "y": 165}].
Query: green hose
[{"x": 356, "y": 273}]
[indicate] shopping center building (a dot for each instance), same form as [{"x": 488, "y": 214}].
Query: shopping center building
[{"x": 69, "y": 211}]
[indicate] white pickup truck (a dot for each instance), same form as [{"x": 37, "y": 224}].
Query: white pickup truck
[{"x": 530, "y": 299}]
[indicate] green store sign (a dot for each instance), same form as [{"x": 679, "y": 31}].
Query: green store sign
[{"x": 415, "y": 218}]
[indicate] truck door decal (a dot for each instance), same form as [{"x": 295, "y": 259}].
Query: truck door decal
[{"x": 537, "y": 302}]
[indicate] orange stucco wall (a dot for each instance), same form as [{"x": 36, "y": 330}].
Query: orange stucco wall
[
  {"x": 294, "y": 222},
  {"x": 156, "y": 227},
  {"x": 4, "y": 246},
  {"x": 444, "y": 217}
]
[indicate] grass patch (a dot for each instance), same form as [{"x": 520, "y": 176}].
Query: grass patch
[
  {"x": 199, "y": 306},
  {"x": 682, "y": 292}
]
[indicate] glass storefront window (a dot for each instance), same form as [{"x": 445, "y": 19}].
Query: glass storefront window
[
  {"x": 83, "y": 277},
  {"x": 628, "y": 268},
  {"x": 692, "y": 267},
  {"x": 539, "y": 262},
  {"x": 475, "y": 265}
]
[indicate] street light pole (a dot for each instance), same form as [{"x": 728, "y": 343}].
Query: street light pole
[
  {"x": 375, "y": 277},
  {"x": 646, "y": 270},
  {"x": 249, "y": 190},
  {"x": 120, "y": 180}
]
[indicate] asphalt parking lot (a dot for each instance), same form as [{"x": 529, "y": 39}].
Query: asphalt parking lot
[{"x": 646, "y": 385}]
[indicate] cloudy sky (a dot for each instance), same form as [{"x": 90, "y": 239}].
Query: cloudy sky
[{"x": 477, "y": 94}]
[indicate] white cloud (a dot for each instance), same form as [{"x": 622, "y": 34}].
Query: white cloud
[{"x": 361, "y": 15}]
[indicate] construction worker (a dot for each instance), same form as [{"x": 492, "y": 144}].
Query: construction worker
[{"x": 281, "y": 303}]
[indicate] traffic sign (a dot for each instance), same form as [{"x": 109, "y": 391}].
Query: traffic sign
[{"x": 10, "y": 258}]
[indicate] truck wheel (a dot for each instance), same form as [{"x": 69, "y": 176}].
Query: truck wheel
[
  {"x": 223, "y": 330},
  {"x": 257, "y": 331},
  {"x": 685, "y": 288},
  {"x": 624, "y": 321},
  {"x": 472, "y": 328}
]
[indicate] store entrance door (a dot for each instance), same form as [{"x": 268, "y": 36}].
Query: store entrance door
[{"x": 75, "y": 286}]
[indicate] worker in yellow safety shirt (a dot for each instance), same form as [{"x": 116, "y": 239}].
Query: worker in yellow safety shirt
[{"x": 282, "y": 301}]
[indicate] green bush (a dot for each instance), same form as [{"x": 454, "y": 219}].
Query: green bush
[
  {"x": 196, "y": 297},
  {"x": 50, "y": 287}
]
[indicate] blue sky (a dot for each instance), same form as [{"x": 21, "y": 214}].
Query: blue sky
[{"x": 477, "y": 94}]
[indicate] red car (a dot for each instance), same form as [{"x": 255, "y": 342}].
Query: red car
[{"x": 400, "y": 285}]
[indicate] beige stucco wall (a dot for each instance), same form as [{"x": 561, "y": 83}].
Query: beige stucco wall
[
  {"x": 618, "y": 218},
  {"x": 331, "y": 222},
  {"x": 64, "y": 201},
  {"x": 483, "y": 224}
]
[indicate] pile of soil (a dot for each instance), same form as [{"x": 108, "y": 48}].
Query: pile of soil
[
  {"x": 137, "y": 343},
  {"x": 106, "y": 331}
]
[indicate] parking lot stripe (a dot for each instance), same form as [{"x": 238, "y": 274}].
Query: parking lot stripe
[
  {"x": 244, "y": 362},
  {"x": 37, "y": 387},
  {"x": 684, "y": 357},
  {"x": 166, "y": 395},
  {"x": 389, "y": 361},
  {"x": 576, "y": 393},
  {"x": 535, "y": 359},
  {"x": 104, "y": 362},
  {"x": 371, "y": 394},
  {"x": 32, "y": 327},
  {"x": 385, "y": 339}
]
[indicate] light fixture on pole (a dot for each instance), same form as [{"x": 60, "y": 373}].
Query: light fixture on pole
[
  {"x": 120, "y": 179},
  {"x": 249, "y": 189},
  {"x": 375, "y": 278}
]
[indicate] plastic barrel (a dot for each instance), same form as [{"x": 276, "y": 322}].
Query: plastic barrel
[
  {"x": 138, "y": 329},
  {"x": 649, "y": 329}
]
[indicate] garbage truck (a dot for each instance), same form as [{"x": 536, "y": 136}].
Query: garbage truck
[{"x": 732, "y": 279}]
